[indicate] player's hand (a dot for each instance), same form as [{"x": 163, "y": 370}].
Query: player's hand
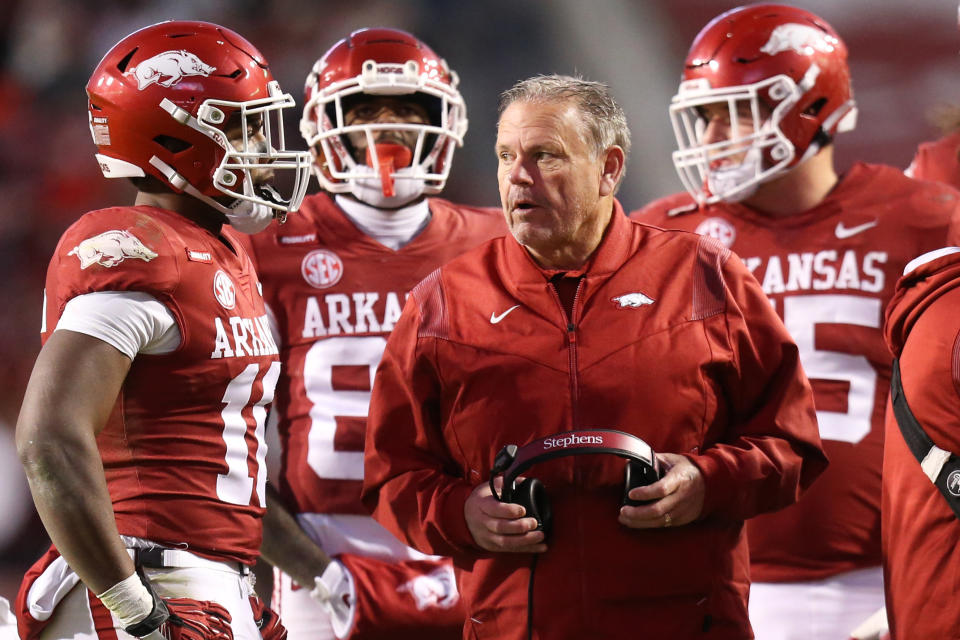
[
  {"x": 267, "y": 620},
  {"x": 500, "y": 526},
  {"x": 335, "y": 590},
  {"x": 183, "y": 619},
  {"x": 678, "y": 496}
]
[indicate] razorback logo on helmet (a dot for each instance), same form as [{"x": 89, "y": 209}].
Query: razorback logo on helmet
[
  {"x": 321, "y": 268},
  {"x": 435, "y": 589},
  {"x": 110, "y": 248},
  {"x": 799, "y": 38},
  {"x": 223, "y": 290},
  {"x": 169, "y": 68}
]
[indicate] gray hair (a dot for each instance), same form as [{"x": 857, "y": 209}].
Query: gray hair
[{"x": 603, "y": 118}]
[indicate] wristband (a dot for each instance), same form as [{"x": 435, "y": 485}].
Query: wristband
[{"x": 129, "y": 600}]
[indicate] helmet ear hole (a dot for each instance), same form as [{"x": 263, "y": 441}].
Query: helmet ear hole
[
  {"x": 815, "y": 108},
  {"x": 171, "y": 144}
]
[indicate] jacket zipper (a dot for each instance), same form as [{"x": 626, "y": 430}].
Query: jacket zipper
[
  {"x": 575, "y": 405},
  {"x": 571, "y": 350},
  {"x": 574, "y": 411},
  {"x": 572, "y": 347}
]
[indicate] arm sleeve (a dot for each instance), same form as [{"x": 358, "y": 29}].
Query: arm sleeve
[
  {"x": 930, "y": 366},
  {"x": 768, "y": 449},
  {"x": 411, "y": 483},
  {"x": 132, "y": 322}
]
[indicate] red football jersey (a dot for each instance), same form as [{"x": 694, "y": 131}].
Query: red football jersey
[
  {"x": 921, "y": 534},
  {"x": 336, "y": 294},
  {"x": 938, "y": 161},
  {"x": 829, "y": 272},
  {"x": 183, "y": 450}
]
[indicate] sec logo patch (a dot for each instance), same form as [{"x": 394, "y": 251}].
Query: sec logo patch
[
  {"x": 718, "y": 229},
  {"x": 224, "y": 291},
  {"x": 321, "y": 268}
]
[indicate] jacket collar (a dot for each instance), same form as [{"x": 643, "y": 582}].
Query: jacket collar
[{"x": 528, "y": 282}]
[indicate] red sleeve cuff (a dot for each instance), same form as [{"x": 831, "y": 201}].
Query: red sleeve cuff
[
  {"x": 718, "y": 488},
  {"x": 453, "y": 521}
]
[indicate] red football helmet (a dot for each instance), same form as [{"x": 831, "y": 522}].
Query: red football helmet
[
  {"x": 788, "y": 69},
  {"x": 161, "y": 102},
  {"x": 382, "y": 62}
]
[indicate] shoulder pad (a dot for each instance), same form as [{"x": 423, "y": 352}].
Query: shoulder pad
[{"x": 683, "y": 209}]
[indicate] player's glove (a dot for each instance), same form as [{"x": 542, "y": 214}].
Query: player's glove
[
  {"x": 267, "y": 620},
  {"x": 335, "y": 590},
  {"x": 182, "y": 619}
]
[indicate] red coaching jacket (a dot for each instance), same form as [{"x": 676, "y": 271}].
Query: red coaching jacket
[
  {"x": 921, "y": 535},
  {"x": 670, "y": 339}
]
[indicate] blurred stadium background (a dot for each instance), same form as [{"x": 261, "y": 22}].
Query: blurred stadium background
[{"x": 904, "y": 57}]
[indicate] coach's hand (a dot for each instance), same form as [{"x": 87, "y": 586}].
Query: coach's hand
[
  {"x": 500, "y": 526},
  {"x": 678, "y": 496}
]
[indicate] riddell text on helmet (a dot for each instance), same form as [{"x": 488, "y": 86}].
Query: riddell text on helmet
[{"x": 571, "y": 440}]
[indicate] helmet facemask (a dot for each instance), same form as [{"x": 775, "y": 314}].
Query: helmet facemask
[
  {"x": 764, "y": 149},
  {"x": 385, "y": 178},
  {"x": 251, "y": 157},
  {"x": 786, "y": 71}
]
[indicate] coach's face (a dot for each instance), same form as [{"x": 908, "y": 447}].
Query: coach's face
[{"x": 556, "y": 191}]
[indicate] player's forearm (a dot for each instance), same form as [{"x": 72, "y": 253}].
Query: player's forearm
[
  {"x": 286, "y": 546},
  {"x": 71, "y": 392},
  {"x": 70, "y": 493}
]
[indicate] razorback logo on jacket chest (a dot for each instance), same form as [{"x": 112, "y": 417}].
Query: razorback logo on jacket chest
[{"x": 348, "y": 313}]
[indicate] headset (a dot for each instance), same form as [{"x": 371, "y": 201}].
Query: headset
[{"x": 641, "y": 469}]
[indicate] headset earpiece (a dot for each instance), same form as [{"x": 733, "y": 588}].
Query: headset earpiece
[
  {"x": 532, "y": 496},
  {"x": 637, "y": 474}
]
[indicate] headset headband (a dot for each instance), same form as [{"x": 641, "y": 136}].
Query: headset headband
[{"x": 513, "y": 460}]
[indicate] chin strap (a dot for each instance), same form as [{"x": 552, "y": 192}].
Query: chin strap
[
  {"x": 244, "y": 215},
  {"x": 179, "y": 182}
]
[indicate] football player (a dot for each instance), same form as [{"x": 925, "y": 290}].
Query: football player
[
  {"x": 920, "y": 526},
  {"x": 764, "y": 90},
  {"x": 141, "y": 432},
  {"x": 383, "y": 117}
]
